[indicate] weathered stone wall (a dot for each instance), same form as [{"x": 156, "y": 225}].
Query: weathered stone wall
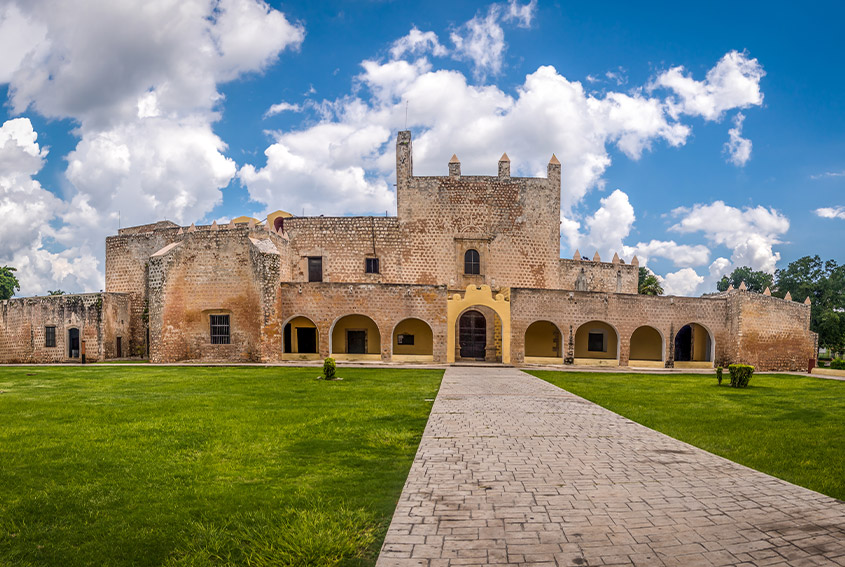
[
  {"x": 598, "y": 276},
  {"x": 512, "y": 221},
  {"x": 344, "y": 243},
  {"x": 387, "y": 305},
  {"x": 100, "y": 318},
  {"x": 772, "y": 333},
  {"x": 127, "y": 255},
  {"x": 233, "y": 271},
  {"x": 624, "y": 312}
]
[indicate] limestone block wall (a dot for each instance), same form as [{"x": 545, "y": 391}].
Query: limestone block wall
[
  {"x": 598, "y": 276},
  {"x": 127, "y": 256},
  {"x": 386, "y": 304},
  {"x": 99, "y": 317},
  {"x": 344, "y": 243},
  {"x": 772, "y": 333},
  {"x": 222, "y": 272},
  {"x": 513, "y": 221}
]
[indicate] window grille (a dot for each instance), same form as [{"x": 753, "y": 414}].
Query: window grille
[
  {"x": 220, "y": 330},
  {"x": 49, "y": 336}
]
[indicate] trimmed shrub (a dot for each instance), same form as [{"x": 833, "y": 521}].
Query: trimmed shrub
[
  {"x": 719, "y": 374},
  {"x": 837, "y": 364},
  {"x": 740, "y": 374},
  {"x": 329, "y": 368}
]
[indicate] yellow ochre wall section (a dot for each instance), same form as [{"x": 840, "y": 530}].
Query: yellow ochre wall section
[
  {"x": 356, "y": 323},
  {"x": 479, "y": 295},
  {"x": 542, "y": 338},
  {"x": 646, "y": 344},
  {"x": 423, "y": 338},
  {"x": 582, "y": 335},
  {"x": 300, "y": 323}
]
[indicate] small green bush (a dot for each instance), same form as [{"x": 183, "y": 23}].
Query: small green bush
[
  {"x": 329, "y": 368},
  {"x": 837, "y": 364},
  {"x": 740, "y": 374},
  {"x": 719, "y": 374}
]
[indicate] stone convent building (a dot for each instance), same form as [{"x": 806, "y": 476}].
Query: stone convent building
[{"x": 468, "y": 269}]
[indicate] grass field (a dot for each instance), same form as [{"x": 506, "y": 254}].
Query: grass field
[
  {"x": 791, "y": 427},
  {"x": 203, "y": 466}
]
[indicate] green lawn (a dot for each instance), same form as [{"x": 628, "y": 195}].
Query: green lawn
[
  {"x": 791, "y": 427},
  {"x": 204, "y": 466}
]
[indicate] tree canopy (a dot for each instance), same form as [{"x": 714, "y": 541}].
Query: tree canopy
[
  {"x": 8, "y": 282},
  {"x": 55, "y": 292},
  {"x": 648, "y": 283},
  {"x": 754, "y": 280},
  {"x": 824, "y": 283}
]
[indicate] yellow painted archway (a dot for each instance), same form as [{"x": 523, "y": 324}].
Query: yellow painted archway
[{"x": 479, "y": 295}]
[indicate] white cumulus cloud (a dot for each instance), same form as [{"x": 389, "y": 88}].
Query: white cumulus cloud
[
  {"x": 733, "y": 83},
  {"x": 481, "y": 40},
  {"x": 683, "y": 282},
  {"x": 417, "y": 43},
  {"x": 831, "y": 212},
  {"x": 737, "y": 147},
  {"x": 522, "y": 14}
]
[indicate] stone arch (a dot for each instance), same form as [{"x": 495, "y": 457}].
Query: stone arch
[
  {"x": 417, "y": 341},
  {"x": 493, "y": 334},
  {"x": 355, "y": 337},
  {"x": 587, "y": 348},
  {"x": 647, "y": 348},
  {"x": 300, "y": 339},
  {"x": 694, "y": 346},
  {"x": 478, "y": 296},
  {"x": 543, "y": 343}
]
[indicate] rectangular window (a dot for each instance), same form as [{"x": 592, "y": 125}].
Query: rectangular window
[
  {"x": 371, "y": 265},
  {"x": 315, "y": 269},
  {"x": 405, "y": 339},
  {"x": 595, "y": 342},
  {"x": 220, "y": 329},
  {"x": 49, "y": 336}
]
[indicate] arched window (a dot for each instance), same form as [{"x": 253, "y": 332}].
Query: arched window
[{"x": 472, "y": 262}]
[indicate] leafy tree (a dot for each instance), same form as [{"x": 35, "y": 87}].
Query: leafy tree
[
  {"x": 8, "y": 282},
  {"x": 754, "y": 281},
  {"x": 55, "y": 292},
  {"x": 824, "y": 283},
  {"x": 648, "y": 283}
]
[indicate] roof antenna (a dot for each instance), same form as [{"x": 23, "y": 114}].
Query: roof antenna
[{"x": 406, "y": 114}]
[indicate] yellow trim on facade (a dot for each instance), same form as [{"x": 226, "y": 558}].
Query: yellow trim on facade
[
  {"x": 829, "y": 372},
  {"x": 646, "y": 363},
  {"x": 356, "y": 357},
  {"x": 478, "y": 295},
  {"x": 300, "y": 356},
  {"x": 693, "y": 364},
  {"x": 596, "y": 362},
  {"x": 543, "y": 360},
  {"x": 413, "y": 358}
]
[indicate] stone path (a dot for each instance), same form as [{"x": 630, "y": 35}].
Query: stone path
[{"x": 512, "y": 470}]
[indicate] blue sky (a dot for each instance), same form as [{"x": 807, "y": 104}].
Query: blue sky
[{"x": 698, "y": 137}]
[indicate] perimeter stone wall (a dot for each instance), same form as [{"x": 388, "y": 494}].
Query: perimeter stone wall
[{"x": 100, "y": 318}]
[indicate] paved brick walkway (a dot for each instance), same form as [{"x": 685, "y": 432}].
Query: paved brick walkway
[{"x": 512, "y": 470}]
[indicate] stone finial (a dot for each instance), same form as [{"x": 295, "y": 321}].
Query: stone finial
[
  {"x": 231, "y": 224},
  {"x": 788, "y": 296},
  {"x": 767, "y": 291},
  {"x": 730, "y": 287},
  {"x": 635, "y": 261},
  {"x": 616, "y": 259},
  {"x": 807, "y": 301},
  {"x": 251, "y": 224},
  {"x": 553, "y": 172},
  {"x": 192, "y": 228},
  {"x": 214, "y": 225},
  {"x": 596, "y": 257},
  {"x": 742, "y": 286},
  {"x": 504, "y": 166},
  {"x": 180, "y": 231},
  {"x": 577, "y": 255},
  {"x": 454, "y": 166}
]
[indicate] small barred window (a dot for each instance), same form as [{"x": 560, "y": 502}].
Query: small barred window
[{"x": 220, "y": 330}]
